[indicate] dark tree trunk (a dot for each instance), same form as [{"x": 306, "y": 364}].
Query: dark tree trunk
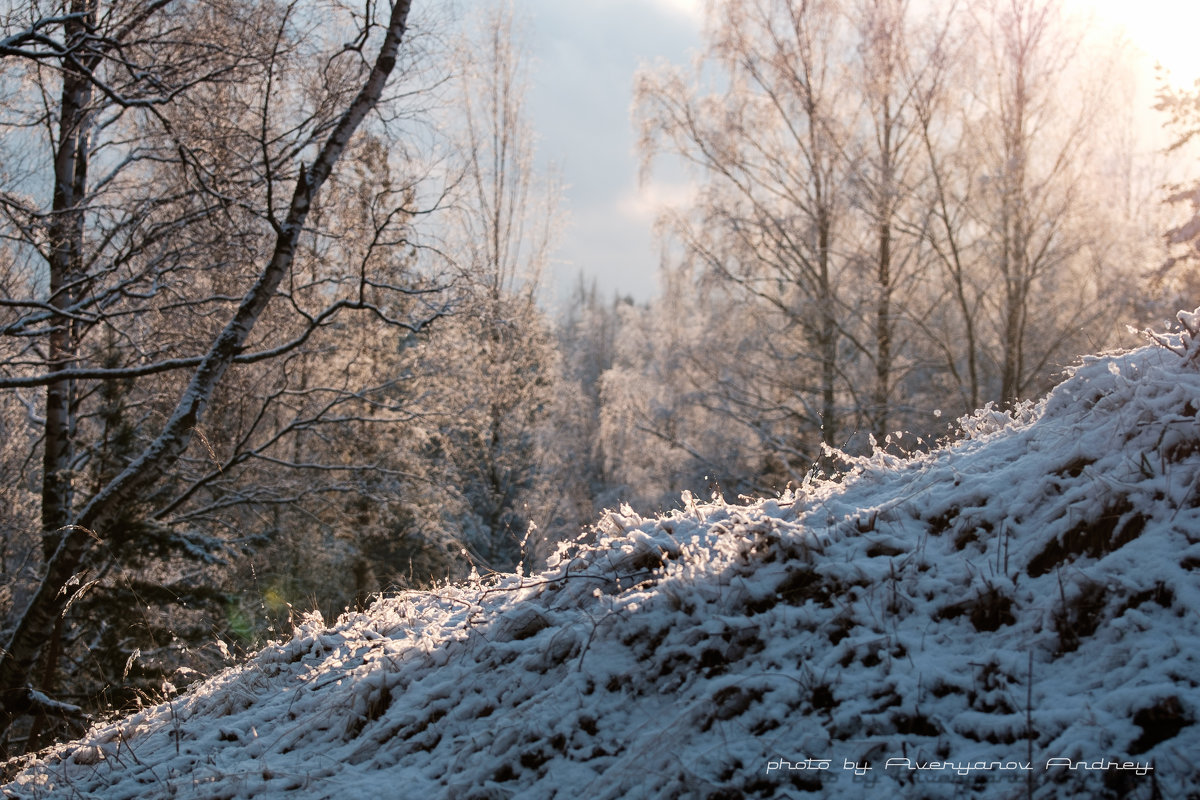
[{"x": 65, "y": 277}]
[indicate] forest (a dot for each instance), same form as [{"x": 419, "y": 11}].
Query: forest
[{"x": 274, "y": 327}]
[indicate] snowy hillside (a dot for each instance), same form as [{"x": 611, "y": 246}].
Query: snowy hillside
[{"x": 1016, "y": 613}]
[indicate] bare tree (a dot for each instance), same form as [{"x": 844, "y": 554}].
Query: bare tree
[
  {"x": 891, "y": 76},
  {"x": 127, "y": 87},
  {"x": 769, "y": 148},
  {"x": 905, "y": 201},
  {"x": 1040, "y": 111},
  {"x": 490, "y": 372},
  {"x": 952, "y": 329}
]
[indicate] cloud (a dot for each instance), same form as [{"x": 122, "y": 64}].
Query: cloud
[
  {"x": 647, "y": 201},
  {"x": 692, "y": 9}
]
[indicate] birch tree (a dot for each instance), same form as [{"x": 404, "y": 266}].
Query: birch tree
[
  {"x": 767, "y": 145},
  {"x": 894, "y": 73},
  {"x": 119, "y": 93},
  {"x": 1041, "y": 97},
  {"x": 900, "y": 208}
]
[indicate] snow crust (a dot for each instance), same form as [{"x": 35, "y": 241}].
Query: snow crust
[{"x": 1014, "y": 613}]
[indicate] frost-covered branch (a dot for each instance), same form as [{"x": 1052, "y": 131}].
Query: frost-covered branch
[
  {"x": 108, "y": 505},
  {"x": 1186, "y": 343}
]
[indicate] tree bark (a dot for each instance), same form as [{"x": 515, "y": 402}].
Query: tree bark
[{"x": 65, "y": 278}]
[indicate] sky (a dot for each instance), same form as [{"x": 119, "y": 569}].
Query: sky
[{"x": 585, "y": 55}]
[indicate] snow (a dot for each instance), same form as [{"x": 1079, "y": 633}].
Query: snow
[{"x": 1013, "y": 613}]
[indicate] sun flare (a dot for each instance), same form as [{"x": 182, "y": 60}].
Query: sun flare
[{"x": 1164, "y": 29}]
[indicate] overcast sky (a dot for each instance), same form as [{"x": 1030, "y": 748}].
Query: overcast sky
[{"x": 586, "y": 53}]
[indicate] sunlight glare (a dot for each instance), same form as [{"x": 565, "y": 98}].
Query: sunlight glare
[{"x": 1164, "y": 29}]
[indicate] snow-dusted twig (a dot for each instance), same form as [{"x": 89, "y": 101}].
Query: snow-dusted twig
[{"x": 1185, "y": 344}]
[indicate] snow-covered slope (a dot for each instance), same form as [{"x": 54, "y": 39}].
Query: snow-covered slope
[{"x": 1013, "y": 614}]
